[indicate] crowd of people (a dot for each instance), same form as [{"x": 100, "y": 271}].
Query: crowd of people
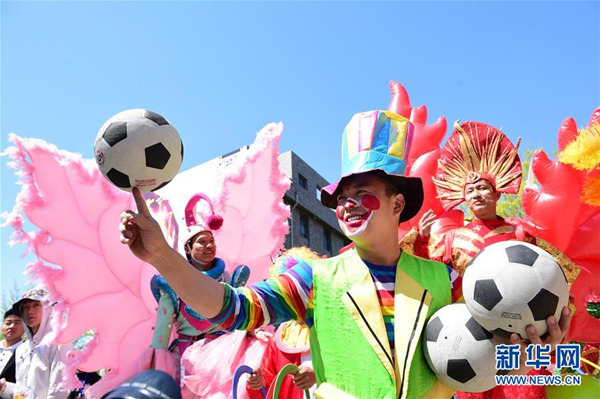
[
  {"x": 31, "y": 368},
  {"x": 352, "y": 300},
  {"x": 351, "y": 324}
]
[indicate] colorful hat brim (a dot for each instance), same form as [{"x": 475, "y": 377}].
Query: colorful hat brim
[
  {"x": 410, "y": 187},
  {"x": 17, "y": 305}
]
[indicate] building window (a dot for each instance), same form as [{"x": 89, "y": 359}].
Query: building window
[
  {"x": 327, "y": 239},
  {"x": 318, "y": 193},
  {"x": 302, "y": 180},
  {"x": 304, "y": 225}
]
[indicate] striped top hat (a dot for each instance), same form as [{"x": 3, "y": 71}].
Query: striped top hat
[{"x": 379, "y": 141}]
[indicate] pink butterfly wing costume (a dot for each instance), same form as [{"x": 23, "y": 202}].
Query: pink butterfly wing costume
[{"x": 102, "y": 285}]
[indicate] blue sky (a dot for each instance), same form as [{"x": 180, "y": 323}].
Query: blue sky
[{"x": 221, "y": 71}]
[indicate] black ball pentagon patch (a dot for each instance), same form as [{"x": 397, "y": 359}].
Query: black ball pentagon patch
[
  {"x": 119, "y": 179},
  {"x": 543, "y": 305},
  {"x": 478, "y": 332},
  {"x": 433, "y": 329},
  {"x": 157, "y": 156},
  {"x": 460, "y": 370},
  {"x": 182, "y": 150},
  {"x": 487, "y": 294},
  {"x": 156, "y": 118},
  {"x": 521, "y": 254},
  {"x": 115, "y": 132},
  {"x": 502, "y": 333}
]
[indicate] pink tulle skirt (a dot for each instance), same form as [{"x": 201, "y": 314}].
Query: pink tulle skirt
[{"x": 210, "y": 365}]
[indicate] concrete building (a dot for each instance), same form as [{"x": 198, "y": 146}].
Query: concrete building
[{"x": 311, "y": 224}]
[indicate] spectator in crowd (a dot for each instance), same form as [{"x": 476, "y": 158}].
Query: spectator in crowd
[
  {"x": 40, "y": 363},
  {"x": 12, "y": 330}
]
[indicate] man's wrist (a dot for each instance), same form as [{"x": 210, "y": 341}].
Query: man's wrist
[{"x": 166, "y": 259}]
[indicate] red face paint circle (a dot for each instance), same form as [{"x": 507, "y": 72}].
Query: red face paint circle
[
  {"x": 339, "y": 211},
  {"x": 370, "y": 202}
]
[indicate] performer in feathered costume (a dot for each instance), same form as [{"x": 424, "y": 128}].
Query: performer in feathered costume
[
  {"x": 177, "y": 325},
  {"x": 207, "y": 369},
  {"x": 199, "y": 247},
  {"x": 568, "y": 186},
  {"x": 477, "y": 165},
  {"x": 71, "y": 207}
]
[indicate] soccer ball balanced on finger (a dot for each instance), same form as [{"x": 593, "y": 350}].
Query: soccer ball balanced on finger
[{"x": 138, "y": 148}]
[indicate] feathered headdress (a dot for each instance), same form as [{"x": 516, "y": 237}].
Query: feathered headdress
[
  {"x": 193, "y": 225},
  {"x": 473, "y": 152}
]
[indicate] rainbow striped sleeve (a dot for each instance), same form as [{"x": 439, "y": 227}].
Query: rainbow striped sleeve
[{"x": 278, "y": 299}]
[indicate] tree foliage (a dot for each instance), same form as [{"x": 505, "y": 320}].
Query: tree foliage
[
  {"x": 510, "y": 205},
  {"x": 11, "y": 296}
]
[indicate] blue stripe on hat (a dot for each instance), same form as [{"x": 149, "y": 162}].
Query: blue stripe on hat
[
  {"x": 344, "y": 147},
  {"x": 366, "y": 161},
  {"x": 380, "y": 141}
]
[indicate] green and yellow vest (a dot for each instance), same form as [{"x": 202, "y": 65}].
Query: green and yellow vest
[{"x": 349, "y": 345}]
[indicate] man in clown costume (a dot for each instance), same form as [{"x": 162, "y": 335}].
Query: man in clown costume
[{"x": 366, "y": 308}]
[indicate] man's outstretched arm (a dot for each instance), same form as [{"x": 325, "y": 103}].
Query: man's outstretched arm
[
  {"x": 270, "y": 302},
  {"x": 274, "y": 301}
]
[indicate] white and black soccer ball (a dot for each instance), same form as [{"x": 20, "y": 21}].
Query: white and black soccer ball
[
  {"x": 510, "y": 285},
  {"x": 459, "y": 351},
  {"x": 138, "y": 148}
]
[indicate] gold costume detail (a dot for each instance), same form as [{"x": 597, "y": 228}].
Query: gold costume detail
[
  {"x": 570, "y": 269},
  {"x": 500, "y": 230},
  {"x": 469, "y": 235},
  {"x": 295, "y": 335},
  {"x": 465, "y": 244},
  {"x": 407, "y": 242}
]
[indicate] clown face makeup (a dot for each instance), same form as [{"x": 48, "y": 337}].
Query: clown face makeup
[{"x": 354, "y": 215}]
